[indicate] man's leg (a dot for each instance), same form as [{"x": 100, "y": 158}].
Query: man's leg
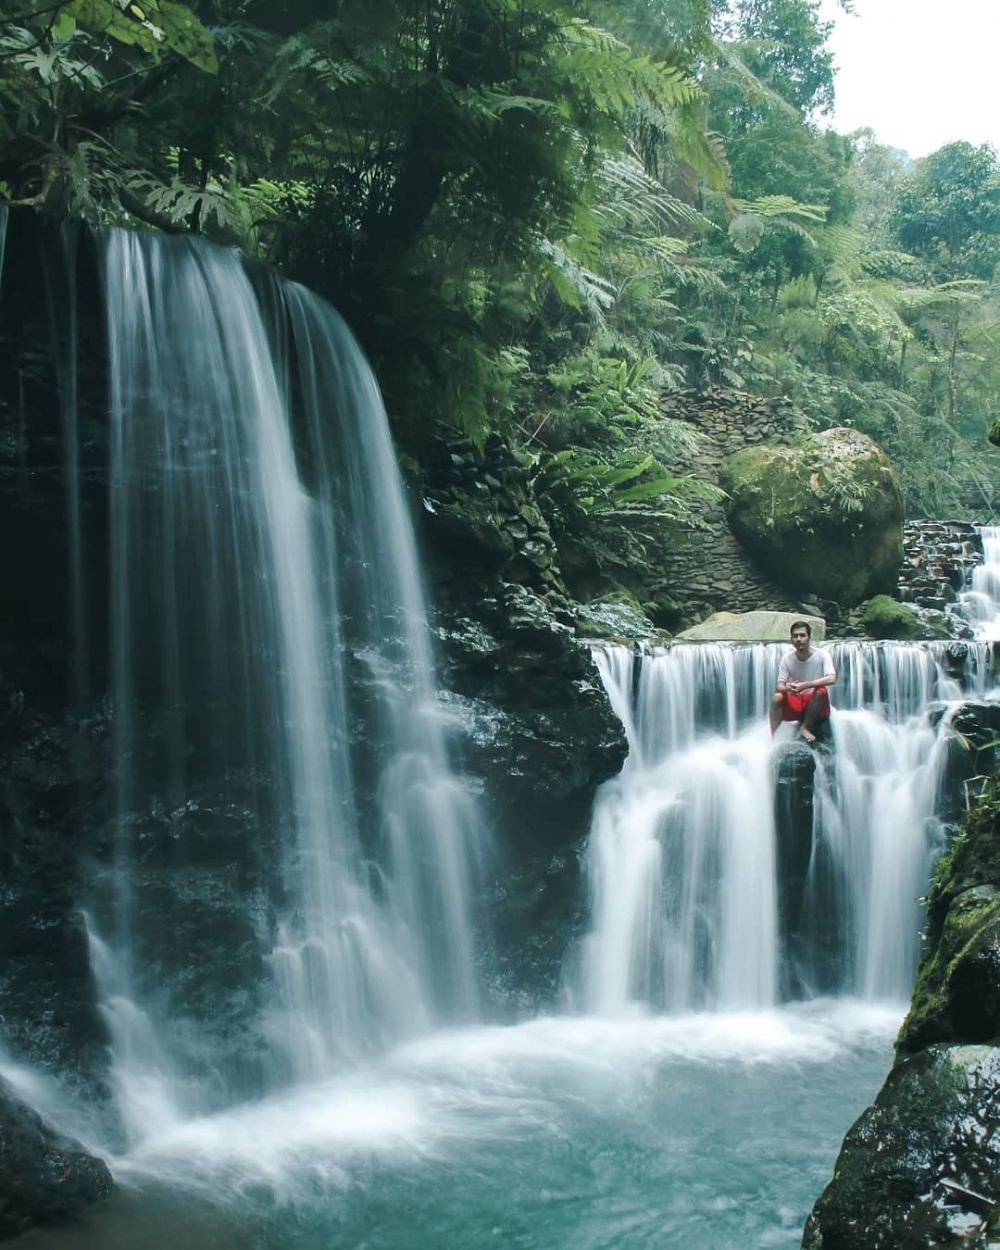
[
  {"x": 813, "y": 709},
  {"x": 776, "y": 711}
]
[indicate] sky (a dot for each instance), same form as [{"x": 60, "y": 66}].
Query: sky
[{"x": 920, "y": 73}]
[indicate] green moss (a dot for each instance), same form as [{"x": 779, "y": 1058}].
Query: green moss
[
  {"x": 957, "y": 994},
  {"x": 823, "y": 516},
  {"x": 885, "y": 617}
]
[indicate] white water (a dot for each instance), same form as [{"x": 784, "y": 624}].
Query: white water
[
  {"x": 979, "y": 602},
  {"x": 684, "y": 848},
  {"x": 240, "y": 595}
]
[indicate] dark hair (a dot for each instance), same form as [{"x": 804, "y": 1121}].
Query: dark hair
[{"x": 801, "y": 625}]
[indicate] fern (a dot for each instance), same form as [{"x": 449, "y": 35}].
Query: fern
[
  {"x": 613, "y": 75},
  {"x": 179, "y": 203},
  {"x": 576, "y": 285}
]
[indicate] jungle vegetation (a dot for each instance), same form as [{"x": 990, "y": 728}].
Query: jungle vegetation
[{"x": 539, "y": 216}]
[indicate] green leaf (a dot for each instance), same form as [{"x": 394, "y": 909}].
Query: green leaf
[
  {"x": 64, "y": 27},
  {"x": 162, "y": 26}
]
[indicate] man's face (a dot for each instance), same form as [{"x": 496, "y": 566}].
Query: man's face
[{"x": 800, "y": 639}]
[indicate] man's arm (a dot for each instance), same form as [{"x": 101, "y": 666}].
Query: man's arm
[
  {"x": 829, "y": 677},
  {"x": 783, "y": 685}
]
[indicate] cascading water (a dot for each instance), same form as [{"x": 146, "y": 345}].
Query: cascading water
[
  {"x": 979, "y": 602},
  {"x": 262, "y": 574},
  {"x": 693, "y": 902},
  {"x": 284, "y": 921}
]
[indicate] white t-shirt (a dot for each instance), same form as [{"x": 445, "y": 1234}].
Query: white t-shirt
[{"x": 819, "y": 664}]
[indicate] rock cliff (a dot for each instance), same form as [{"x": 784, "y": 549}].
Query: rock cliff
[{"x": 921, "y": 1167}]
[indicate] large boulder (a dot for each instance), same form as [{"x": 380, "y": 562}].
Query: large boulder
[
  {"x": 823, "y": 517},
  {"x": 44, "y": 1177},
  {"x": 752, "y": 627},
  {"x": 920, "y": 1168}
]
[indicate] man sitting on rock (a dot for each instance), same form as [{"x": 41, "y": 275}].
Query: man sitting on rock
[{"x": 803, "y": 676}]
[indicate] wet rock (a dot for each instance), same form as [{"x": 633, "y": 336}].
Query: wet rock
[
  {"x": 538, "y": 732},
  {"x": 614, "y": 617},
  {"x": 794, "y": 775},
  {"x": 922, "y": 1166},
  {"x": 44, "y": 1177},
  {"x": 938, "y": 560}
]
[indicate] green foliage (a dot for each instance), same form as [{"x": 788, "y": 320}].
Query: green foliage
[
  {"x": 539, "y": 217},
  {"x": 154, "y": 26},
  {"x": 948, "y": 212}
]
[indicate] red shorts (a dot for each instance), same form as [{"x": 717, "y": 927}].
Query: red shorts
[{"x": 793, "y": 706}]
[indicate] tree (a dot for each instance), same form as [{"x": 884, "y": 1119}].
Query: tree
[{"x": 948, "y": 212}]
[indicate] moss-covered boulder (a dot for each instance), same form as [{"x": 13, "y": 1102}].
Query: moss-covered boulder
[
  {"x": 823, "y": 517},
  {"x": 922, "y": 1166},
  {"x": 885, "y": 617}
]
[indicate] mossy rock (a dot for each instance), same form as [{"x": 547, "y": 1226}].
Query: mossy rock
[
  {"x": 921, "y": 1167},
  {"x": 619, "y": 616},
  {"x": 957, "y": 995},
  {"x": 822, "y": 517},
  {"x": 930, "y": 1132},
  {"x": 885, "y": 617}
]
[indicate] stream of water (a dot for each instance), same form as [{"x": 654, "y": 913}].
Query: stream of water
[{"x": 282, "y": 938}]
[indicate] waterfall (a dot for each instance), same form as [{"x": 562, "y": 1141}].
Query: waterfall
[
  {"x": 284, "y": 809},
  {"x": 979, "y": 602},
  {"x": 693, "y": 902}
]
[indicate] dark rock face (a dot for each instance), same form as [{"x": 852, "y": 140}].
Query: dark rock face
[
  {"x": 537, "y": 730},
  {"x": 922, "y": 1166},
  {"x": 807, "y": 512},
  {"x": 542, "y": 736},
  {"x": 794, "y": 773},
  {"x": 44, "y": 1178}
]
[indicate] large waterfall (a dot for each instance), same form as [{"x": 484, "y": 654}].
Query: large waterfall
[
  {"x": 293, "y": 859},
  {"x": 707, "y": 890},
  {"x": 282, "y": 883}
]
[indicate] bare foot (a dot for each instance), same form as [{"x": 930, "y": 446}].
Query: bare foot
[{"x": 807, "y": 734}]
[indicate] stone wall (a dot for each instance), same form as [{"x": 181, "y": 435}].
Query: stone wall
[{"x": 706, "y": 567}]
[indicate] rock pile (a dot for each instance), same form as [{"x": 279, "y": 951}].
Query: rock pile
[{"x": 938, "y": 558}]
